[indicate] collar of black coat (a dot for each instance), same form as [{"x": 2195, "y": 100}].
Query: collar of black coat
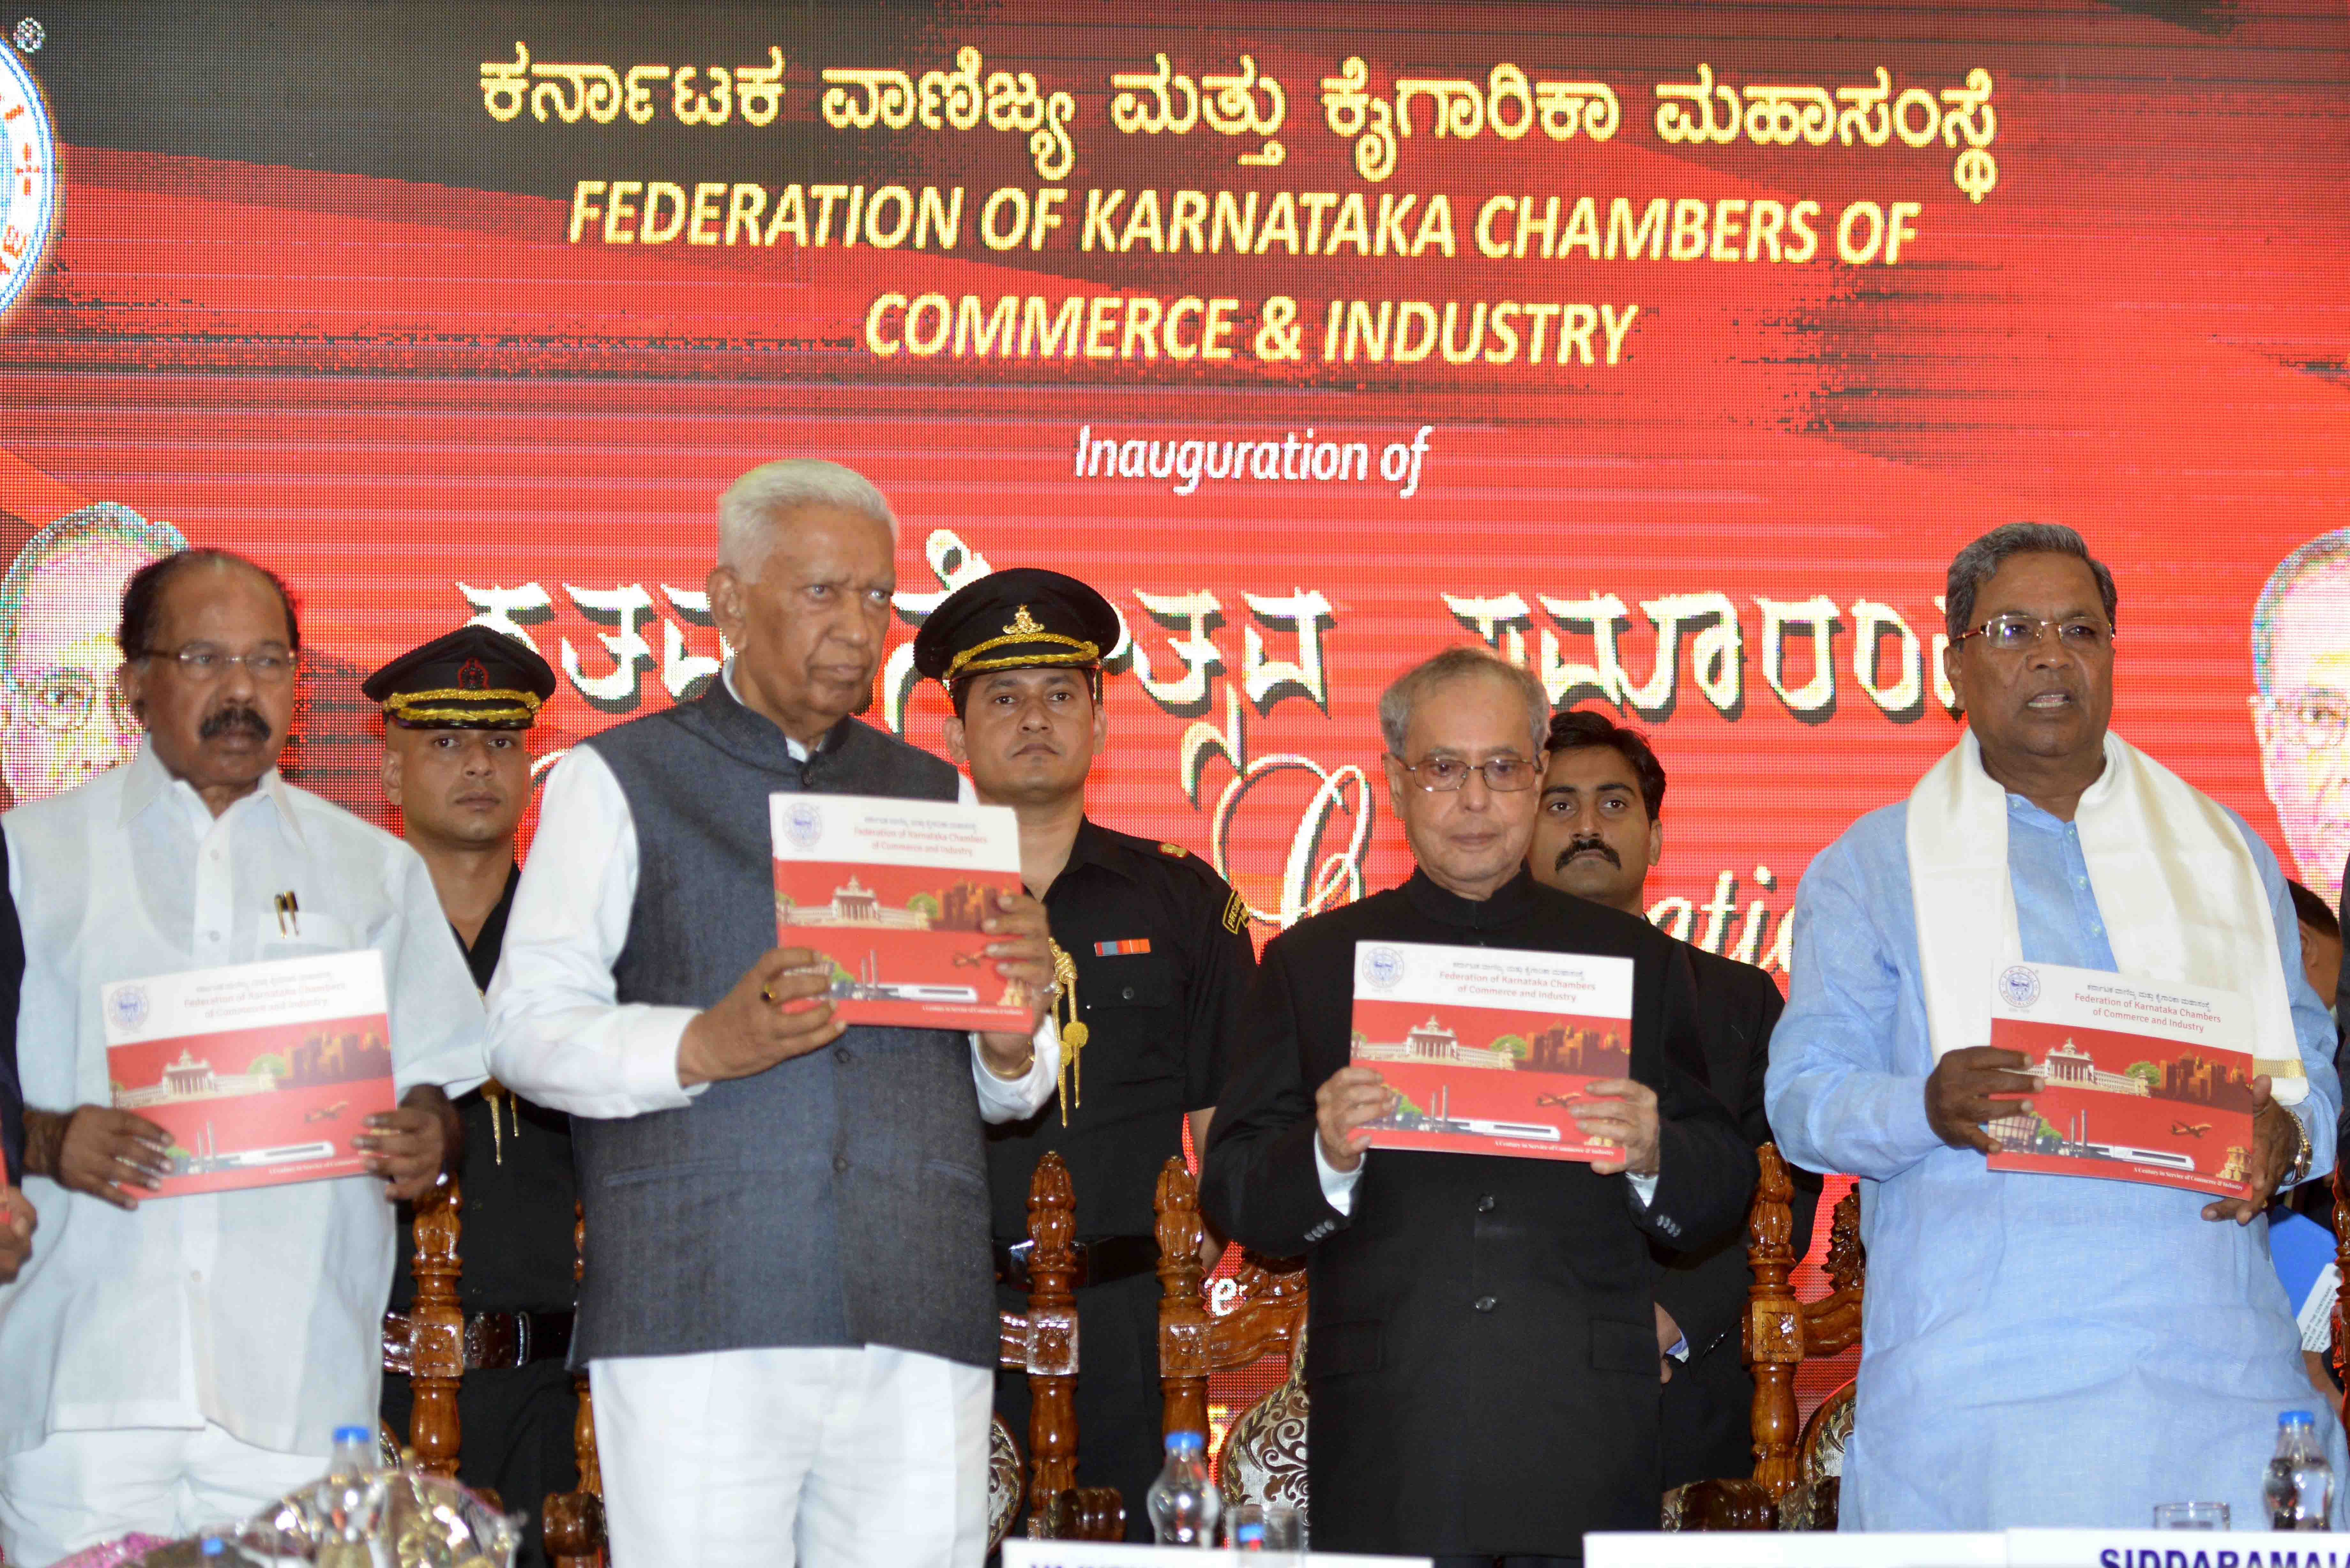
[{"x": 1511, "y": 902}]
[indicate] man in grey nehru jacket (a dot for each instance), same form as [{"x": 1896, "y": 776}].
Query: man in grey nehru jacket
[{"x": 788, "y": 1315}]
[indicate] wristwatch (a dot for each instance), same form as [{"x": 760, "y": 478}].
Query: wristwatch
[{"x": 2300, "y": 1171}]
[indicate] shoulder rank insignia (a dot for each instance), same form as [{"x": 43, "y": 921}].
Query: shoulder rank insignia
[
  {"x": 1236, "y": 914},
  {"x": 1177, "y": 850}
]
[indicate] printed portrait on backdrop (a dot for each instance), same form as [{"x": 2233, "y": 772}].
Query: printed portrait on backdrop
[
  {"x": 2301, "y": 707},
  {"x": 60, "y": 604}
]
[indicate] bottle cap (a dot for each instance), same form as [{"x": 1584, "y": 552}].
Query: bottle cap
[
  {"x": 213, "y": 1546},
  {"x": 2296, "y": 1418},
  {"x": 351, "y": 1434},
  {"x": 1186, "y": 1443}
]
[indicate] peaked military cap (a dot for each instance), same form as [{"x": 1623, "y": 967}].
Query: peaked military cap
[
  {"x": 1016, "y": 619},
  {"x": 473, "y": 678}
]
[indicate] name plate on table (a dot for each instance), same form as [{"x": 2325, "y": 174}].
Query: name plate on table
[
  {"x": 1019, "y": 1553},
  {"x": 2174, "y": 1549},
  {"x": 891, "y": 893},
  {"x": 261, "y": 1073},
  {"x": 1488, "y": 1048},
  {"x": 1794, "y": 1549},
  {"x": 1987, "y": 1549}
]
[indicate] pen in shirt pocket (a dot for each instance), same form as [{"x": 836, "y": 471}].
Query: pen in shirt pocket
[{"x": 290, "y": 914}]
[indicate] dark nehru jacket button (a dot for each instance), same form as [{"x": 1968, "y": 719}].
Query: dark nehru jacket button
[
  {"x": 1486, "y": 1304},
  {"x": 845, "y": 1054},
  {"x": 1127, "y": 995},
  {"x": 1485, "y": 1204},
  {"x": 840, "y": 1162}
]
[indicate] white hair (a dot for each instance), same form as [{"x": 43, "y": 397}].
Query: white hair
[
  {"x": 1407, "y": 690},
  {"x": 753, "y": 505}
]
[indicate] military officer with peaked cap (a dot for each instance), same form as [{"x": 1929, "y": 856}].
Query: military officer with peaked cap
[
  {"x": 455, "y": 766},
  {"x": 1153, "y": 954}
]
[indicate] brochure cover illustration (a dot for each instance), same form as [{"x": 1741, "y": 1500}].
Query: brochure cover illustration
[
  {"x": 262, "y": 1072},
  {"x": 1488, "y": 1048},
  {"x": 2135, "y": 1080},
  {"x": 894, "y": 893}
]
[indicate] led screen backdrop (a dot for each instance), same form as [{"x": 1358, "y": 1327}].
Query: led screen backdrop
[{"x": 1669, "y": 349}]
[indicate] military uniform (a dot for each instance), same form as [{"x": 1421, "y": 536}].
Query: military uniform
[
  {"x": 1154, "y": 956},
  {"x": 516, "y": 1405},
  {"x": 1162, "y": 959}
]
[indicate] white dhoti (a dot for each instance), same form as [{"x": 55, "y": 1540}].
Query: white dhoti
[{"x": 869, "y": 1457}]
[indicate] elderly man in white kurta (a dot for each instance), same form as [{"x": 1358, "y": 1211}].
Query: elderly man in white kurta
[
  {"x": 167, "y": 1363},
  {"x": 2039, "y": 1349}
]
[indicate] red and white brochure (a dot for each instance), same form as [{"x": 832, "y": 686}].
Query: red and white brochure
[
  {"x": 262, "y": 1072},
  {"x": 892, "y": 892},
  {"x": 2137, "y": 1080},
  {"x": 1489, "y": 1048}
]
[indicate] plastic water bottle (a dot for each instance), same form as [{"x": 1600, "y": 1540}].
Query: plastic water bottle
[
  {"x": 1183, "y": 1503},
  {"x": 347, "y": 1502},
  {"x": 2299, "y": 1487}
]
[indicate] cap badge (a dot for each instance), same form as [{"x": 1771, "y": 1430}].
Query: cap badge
[
  {"x": 1023, "y": 625},
  {"x": 473, "y": 676}
]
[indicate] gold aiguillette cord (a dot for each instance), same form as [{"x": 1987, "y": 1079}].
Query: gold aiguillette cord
[
  {"x": 1074, "y": 1032},
  {"x": 498, "y": 1095}
]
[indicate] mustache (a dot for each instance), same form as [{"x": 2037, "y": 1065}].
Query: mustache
[
  {"x": 234, "y": 718},
  {"x": 1578, "y": 846}
]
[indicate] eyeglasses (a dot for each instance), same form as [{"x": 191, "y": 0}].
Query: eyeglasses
[
  {"x": 2016, "y": 633},
  {"x": 2308, "y": 721},
  {"x": 204, "y": 664},
  {"x": 1443, "y": 775},
  {"x": 63, "y": 701}
]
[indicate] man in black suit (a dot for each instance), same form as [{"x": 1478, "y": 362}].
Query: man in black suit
[
  {"x": 1596, "y": 834},
  {"x": 1482, "y": 1356}
]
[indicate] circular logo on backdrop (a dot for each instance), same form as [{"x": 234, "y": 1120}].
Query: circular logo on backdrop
[
  {"x": 127, "y": 1007},
  {"x": 802, "y": 824},
  {"x": 1382, "y": 968},
  {"x": 29, "y": 215},
  {"x": 2019, "y": 985}
]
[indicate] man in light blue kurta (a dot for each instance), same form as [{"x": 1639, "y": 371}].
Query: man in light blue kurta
[{"x": 2037, "y": 1350}]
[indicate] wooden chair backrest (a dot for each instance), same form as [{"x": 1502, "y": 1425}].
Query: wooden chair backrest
[
  {"x": 574, "y": 1519},
  {"x": 1782, "y": 1332},
  {"x": 436, "y": 1332},
  {"x": 1044, "y": 1341},
  {"x": 1269, "y": 1314}
]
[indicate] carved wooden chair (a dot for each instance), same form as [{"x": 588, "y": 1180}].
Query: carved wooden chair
[
  {"x": 1262, "y": 1458},
  {"x": 431, "y": 1350},
  {"x": 573, "y": 1520},
  {"x": 1797, "y": 1470},
  {"x": 1044, "y": 1341}
]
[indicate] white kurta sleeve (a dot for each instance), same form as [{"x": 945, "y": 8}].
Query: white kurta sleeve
[
  {"x": 560, "y": 1035},
  {"x": 1016, "y": 1099},
  {"x": 1835, "y": 1098},
  {"x": 437, "y": 1025}
]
